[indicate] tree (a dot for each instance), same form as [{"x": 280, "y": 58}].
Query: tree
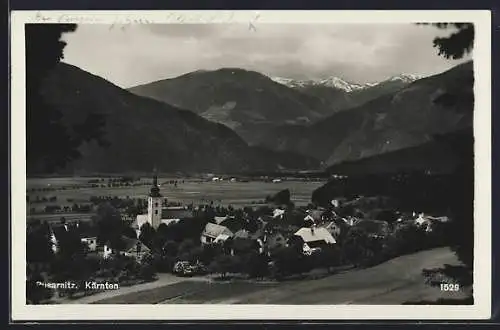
[
  {"x": 458, "y": 44},
  {"x": 35, "y": 292},
  {"x": 329, "y": 257},
  {"x": 38, "y": 245},
  {"x": 147, "y": 235},
  {"x": 70, "y": 245},
  {"x": 186, "y": 246},
  {"x": 210, "y": 252},
  {"x": 109, "y": 224},
  {"x": 45, "y": 127},
  {"x": 288, "y": 261},
  {"x": 170, "y": 248},
  {"x": 255, "y": 265},
  {"x": 407, "y": 239},
  {"x": 354, "y": 248},
  {"x": 224, "y": 264}
]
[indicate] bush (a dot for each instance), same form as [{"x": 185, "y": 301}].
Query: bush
[
  {"x": 224, "y": 264},
  {"x": 362, "y": 249},
  {"x": 407, "y": 239},
  {"x": 35, "y": 294},
  {"x": 146, "y": 272},
  {"x": 255, "y": 265},
  {"x": 288, "y": 261},
  {"x": 328, "y": 257}
]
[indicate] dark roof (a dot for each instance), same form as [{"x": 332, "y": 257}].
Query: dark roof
[
  {"x": 234, "y": 224},
  {"x": 129, "y": 244},
  {"x": 176, "y": 213},
  {"x": 317, "y": 244}
]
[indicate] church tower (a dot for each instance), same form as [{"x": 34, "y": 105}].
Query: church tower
[{"x": 154, "y": 204}]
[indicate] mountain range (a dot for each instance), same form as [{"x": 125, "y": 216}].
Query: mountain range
[
  {"x": 248, "y": 102},
  {"x": 143, "y": 133},
  {"x": 337, "y": 94},
  {"x": 341, "y": 84},
  {"x": 234, "y": 120},
  {"x": 253, "y": 104},
  {"x": 407, "y": 117}
]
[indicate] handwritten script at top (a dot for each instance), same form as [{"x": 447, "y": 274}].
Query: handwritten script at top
[{"x": 146, "y": 18}]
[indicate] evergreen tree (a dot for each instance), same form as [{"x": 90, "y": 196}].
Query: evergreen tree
[{"x": 45, "y": 128}]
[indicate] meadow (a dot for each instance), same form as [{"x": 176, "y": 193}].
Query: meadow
[{"x": 187, "y": 191}]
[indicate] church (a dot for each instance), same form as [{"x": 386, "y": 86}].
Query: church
[{"x": 158, "y": 213}]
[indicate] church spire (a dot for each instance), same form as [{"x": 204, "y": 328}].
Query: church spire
[
  {"x": 155, "y": 190},
  {"x": 155, "y": 177}
]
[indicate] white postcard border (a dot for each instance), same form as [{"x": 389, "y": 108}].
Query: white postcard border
[{"x": 482, "y": 128}]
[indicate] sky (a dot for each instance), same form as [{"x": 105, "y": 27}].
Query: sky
[{"x": 136, "y": 54}]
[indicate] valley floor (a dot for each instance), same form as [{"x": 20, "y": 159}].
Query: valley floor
[{"x": 394, "y": 282}]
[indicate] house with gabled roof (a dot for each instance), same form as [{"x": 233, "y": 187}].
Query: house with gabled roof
[
  {"x": 314, "y": 238},
  {"x": 130, "y": 247},
  {"x": 214, "y": 233}
]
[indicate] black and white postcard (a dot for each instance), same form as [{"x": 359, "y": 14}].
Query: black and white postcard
[{"x": 246, "y": 165}]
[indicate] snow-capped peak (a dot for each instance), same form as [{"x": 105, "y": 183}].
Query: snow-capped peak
[
  {"x": 336, "y": 82},
  {"x": 407, "y": 78},
  {"x": 328, "y": 82},
  {"x": 339, "y": 83}
]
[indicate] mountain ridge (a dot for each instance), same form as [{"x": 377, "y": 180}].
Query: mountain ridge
[
  {"x": 246, "y": 101},
  {"x": 143, "y": 131},
  {"x": 339, "y": 83},
  {"x": 405, "y": 118}
]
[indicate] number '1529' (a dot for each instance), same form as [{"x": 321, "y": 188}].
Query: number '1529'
[{"x": 450, "y": 287}]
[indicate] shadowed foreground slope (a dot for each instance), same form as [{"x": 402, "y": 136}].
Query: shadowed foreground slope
[{"x": 395, "y": 282}]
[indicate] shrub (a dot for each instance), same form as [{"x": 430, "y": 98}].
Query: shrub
[
  {"x": 288, "y": 261},
  {"x": 255, "y": 265},
  {"x": 224, "y": 264}
]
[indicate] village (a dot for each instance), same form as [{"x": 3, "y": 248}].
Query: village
[{"x": 128, "y": 245}]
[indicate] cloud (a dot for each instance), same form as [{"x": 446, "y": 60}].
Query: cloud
[{"x": 131, "y": 55}]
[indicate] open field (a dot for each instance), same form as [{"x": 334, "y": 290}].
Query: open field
[
  {"x": 394, "y": 282},
  {"x": 196, "y": 191}
]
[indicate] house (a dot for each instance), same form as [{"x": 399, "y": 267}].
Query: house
[
  {"x": 242, "y": 233},
  {"x": 91, "y": 242},
  {"x": 270, "y": 242},
  {"x": 350, "y": 221},
  {"x": 428, "y": 222},
  {"x": 315, "y": 216},
  {"x": 131, "y": 247},
  {"x": 219, "y": 219},
  {"x": 175, "y": 213},
  {"x": 334, "y": 228},
  {"x": 214, "y": 233},
  {"x": 314, "y": 238},
  {"x": 278, "y": 213}
]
